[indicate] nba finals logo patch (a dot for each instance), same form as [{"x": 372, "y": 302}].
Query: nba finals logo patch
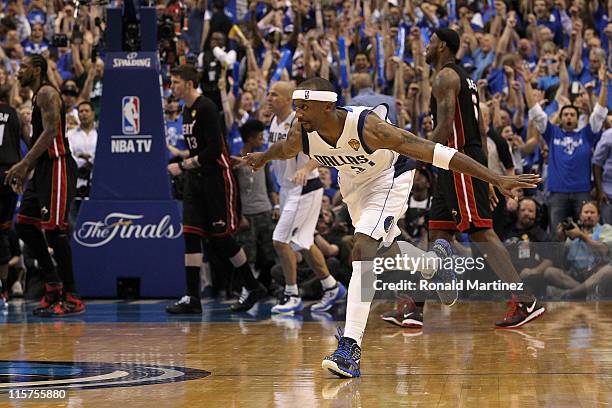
[
  {"x": 354, "y": 143},
  {"x": 388, "y": 222},
  {"x": 131, "y": 115}
]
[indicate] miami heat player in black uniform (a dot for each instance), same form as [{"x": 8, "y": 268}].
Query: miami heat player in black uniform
[
  {"x": 49, "y": 193},
  {"x": 461, "y": 203},
  {"x": 209, "y": 195}
]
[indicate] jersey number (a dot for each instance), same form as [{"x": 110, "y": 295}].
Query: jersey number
[
  {"x": 475, "y": 102},
  {"x": 192, "y": 142},
  {"x": 358, "y": 170},
  {"x": 1, "y": 134}
]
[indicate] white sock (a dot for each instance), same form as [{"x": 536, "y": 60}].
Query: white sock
[
  {"x": 358, "y": 300},
  {"x": 328, "y": 282},
  {"x": 291, "y": 290},
  {"x": 421, "y": 261}
]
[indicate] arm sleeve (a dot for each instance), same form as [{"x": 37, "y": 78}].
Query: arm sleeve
[
  {"x": 602, "y": 151},
  {"x": 598, "y": 117},
  {"x": 539, "y": 118},
  {"x": 210, "y": 138},
  {"x": 503, "y": 150}
]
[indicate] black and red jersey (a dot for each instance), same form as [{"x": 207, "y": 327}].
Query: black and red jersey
[{"x": 59, "y": 146}]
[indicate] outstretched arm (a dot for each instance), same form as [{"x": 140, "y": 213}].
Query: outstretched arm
[
  {"x": 281, "y": 150},
  {"x": 445, "y": 89},
  {"x": 381, "y": 135}
]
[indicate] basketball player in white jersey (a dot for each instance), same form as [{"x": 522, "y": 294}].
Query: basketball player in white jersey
[
  {"x": 365, "y": 150},
  {"x": 301, "y": 192}
]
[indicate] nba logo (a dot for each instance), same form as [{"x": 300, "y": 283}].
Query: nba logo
[
  {"x": 131, "y": 115},
  {"x": 306, "y": 94}
]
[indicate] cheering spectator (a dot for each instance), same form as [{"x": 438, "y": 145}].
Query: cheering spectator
[
  {"x": 570, "y": 147},
  {"x": 36, "y": 44}
]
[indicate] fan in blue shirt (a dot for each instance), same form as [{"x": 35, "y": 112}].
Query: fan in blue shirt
[{"x": 570, "y": 150}]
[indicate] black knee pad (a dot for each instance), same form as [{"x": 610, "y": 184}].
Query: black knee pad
[
  {"x": 5, "y": 247},
  {"x": 225, "y": 246},
  {"x": 193, "y": 243}
]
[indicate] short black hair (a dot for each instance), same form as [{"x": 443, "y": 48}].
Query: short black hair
[
  {"x": 450, "y": 37},
  {"x": 317, "y": 84},
  {"x": 250, "y": 129},
  {"x": 574, "y": 107},
  {"x": 187, "y": 72},
  {"x": 86, "y": 103}
]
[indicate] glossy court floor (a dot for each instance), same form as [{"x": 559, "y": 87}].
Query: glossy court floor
[{"x": 133, "y": 355}]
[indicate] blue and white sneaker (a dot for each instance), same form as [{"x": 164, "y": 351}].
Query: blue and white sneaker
[
  {"x": 289, "y": 304},
  {"x": 344, "y": 362},
  {"x": 443, "y": 249},
  {"x": 330, "y": 296}
]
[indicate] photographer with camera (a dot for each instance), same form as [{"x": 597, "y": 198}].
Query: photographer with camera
[
  {"x": 587, "y": 253},
  {"x": 570, "y": 149}
]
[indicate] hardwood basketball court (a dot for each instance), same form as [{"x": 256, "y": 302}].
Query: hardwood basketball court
[{"x": 142, "y": 358}]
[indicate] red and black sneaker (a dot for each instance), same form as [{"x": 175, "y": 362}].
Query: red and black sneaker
[
  {"x": 407, "y": 314},
  {"x": 74, "y": 301},
  {"x": 58, "y": 309},
  {"x": 522, "y": 309},
  {"x": 53, "y": 294}
]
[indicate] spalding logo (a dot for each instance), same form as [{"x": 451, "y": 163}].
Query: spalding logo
[
  {"x": 131, "y": 60},
  {"x": 93, "y": 234}
]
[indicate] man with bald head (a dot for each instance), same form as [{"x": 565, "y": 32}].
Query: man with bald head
[
  {"x": 301, "y": 193},
  {"x": 363, "y": 85}
]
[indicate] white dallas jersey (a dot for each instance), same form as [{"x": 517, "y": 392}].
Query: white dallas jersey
[
  {"x": 352, "y": 159},
  {"x": 285, "y": 169}
]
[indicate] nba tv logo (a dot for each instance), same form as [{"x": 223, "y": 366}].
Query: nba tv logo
[{"x": 131, "y": 115}]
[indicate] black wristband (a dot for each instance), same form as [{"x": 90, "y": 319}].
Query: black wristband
[{"x": 181, "y": 166}]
